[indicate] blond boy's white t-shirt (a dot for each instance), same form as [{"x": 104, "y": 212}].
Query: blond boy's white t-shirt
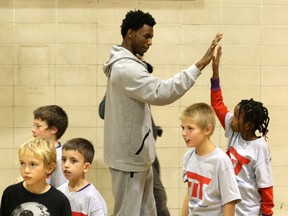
[{"x": 212, "y": 182}]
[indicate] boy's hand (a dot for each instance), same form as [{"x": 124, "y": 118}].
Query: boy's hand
[
  {"x": 19, "y": 179},
  {"x": 209, "y": 53},
  {"x": 216, "y": 62}
]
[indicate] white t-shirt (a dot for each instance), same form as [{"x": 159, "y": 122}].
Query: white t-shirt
[
  {"x": 211, "y": 180},
  {"x": 85, "y": 202},
  {"x": 57, "y": 178},
  {"x": 252, "y": 165}
]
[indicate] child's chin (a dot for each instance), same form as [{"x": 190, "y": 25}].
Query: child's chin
[
  {"x": 189, "y": 145},
  {"x": 68, "y": 177}
]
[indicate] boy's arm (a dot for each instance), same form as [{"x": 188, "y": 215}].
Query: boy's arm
[
  {"x": 218, "y": 104},
  {"x": 216, "y": 93},
  {"x": 267, "y": 201},
  {"x": 229, "y": 209},
  {"x": 185, "y": 205}
]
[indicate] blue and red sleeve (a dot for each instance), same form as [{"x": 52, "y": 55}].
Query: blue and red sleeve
[{"x": 217, "y": 101}]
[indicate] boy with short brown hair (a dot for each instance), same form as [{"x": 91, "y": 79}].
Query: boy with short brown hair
[
  {"x": 77, "y": 157},
  {"x": 51, "y": 122}
]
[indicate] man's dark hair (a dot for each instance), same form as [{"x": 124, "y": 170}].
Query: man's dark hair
[{"x": 135, "y": 20}]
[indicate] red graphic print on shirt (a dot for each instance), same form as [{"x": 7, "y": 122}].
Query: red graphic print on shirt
[
  {"x": 237, "y": 159},
  {"x": 197, "y": 182},
  {"x": 78, "y": 214}
]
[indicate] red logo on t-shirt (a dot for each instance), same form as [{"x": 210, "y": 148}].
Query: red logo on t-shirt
[
  {"x": 197, "y": 182},
  {"x": 78, "y": 214},
  {"x": 237, "y": 159}
]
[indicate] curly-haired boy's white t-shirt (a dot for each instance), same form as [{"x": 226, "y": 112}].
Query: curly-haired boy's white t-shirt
[
  {"x": 211, "y": 180},
  {"x": 252, "y": 165}
]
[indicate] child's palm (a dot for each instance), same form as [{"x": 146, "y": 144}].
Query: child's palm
[{"x": 216, "y": 62}]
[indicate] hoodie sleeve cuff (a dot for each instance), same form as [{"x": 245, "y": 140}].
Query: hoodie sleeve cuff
[
  {"x": 195, "y": 71},
  {"x": 215, "y": 84}
]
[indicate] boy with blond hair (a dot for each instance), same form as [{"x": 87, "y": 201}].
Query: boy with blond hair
[
  {"x": 34, "y": 196},
  {"x": 208, "y": 171},
  {"x": 85, "y": 200}
]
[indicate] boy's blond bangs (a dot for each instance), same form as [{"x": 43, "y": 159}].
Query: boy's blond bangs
[{"x": 42, "y": 148}]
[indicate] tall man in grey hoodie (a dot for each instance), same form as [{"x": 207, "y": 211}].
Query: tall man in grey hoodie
[{"x": 129, "y": 146}]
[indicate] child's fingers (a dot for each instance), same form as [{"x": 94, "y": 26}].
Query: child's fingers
[
  {"x": 219, "y": 53},
  {"x": 19, "y": 179}
]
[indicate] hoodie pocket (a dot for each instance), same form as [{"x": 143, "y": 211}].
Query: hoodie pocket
[{"x": 143, "y": 142}]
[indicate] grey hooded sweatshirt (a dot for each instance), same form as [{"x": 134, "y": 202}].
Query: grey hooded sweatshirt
[{"x": 128, "y": 140}]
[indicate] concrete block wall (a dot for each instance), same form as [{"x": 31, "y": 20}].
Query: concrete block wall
[{"x": 52, "y": 52}]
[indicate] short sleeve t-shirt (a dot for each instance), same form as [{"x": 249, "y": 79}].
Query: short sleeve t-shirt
[
  {"x": 252, "y": 165},
  {"x": 85, "y": 202},
  {"x": 211, "y": 180}
]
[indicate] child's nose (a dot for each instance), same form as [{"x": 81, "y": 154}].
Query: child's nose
[
  {"x": 66, "y": 164},
  {"x": 27, "y": 169},
  {"x": 183, "y": 133}
]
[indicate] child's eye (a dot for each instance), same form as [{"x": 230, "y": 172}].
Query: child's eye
[
  {"x": 64, "y": 160},
  {"x": 34, "y": 165}
]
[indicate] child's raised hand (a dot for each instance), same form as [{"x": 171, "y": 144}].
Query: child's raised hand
[{"x": 216, "y": 62}]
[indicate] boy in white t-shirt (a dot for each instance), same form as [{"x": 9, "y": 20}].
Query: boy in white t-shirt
[
  {"x": 246, "y": 129},
  {"x": 85, "y": 200},
  {"x": 208, "y": 171},
  {"x": 51, "y": 122}
]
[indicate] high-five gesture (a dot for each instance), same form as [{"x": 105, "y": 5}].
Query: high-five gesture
[{"x": 209, "y": 54}]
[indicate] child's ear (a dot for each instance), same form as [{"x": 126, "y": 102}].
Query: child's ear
[
  {"x": 248, "y": 126},
  {"x": 208, "y": 130},
  {"x": 50, "y": 169},
  {"x": 87, "y": 166},
  {"x": 53, "y": 130}
]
